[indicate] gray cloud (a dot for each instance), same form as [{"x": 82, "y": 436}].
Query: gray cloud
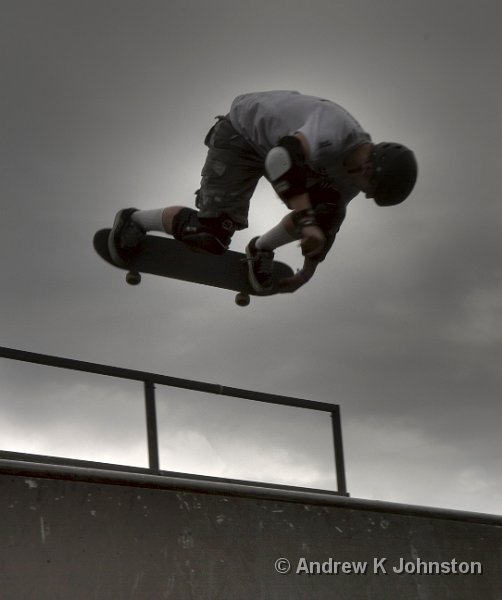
[{"x": 106, "y": 105}]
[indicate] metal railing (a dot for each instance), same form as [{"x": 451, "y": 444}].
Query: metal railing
[{"x": 151, "y": 379}]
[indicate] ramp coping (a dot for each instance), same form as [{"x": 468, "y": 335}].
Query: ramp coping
[{"x": 254, "y": 490}]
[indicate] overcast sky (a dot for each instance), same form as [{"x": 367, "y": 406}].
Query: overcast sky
[{"x": 105, "y": 105}]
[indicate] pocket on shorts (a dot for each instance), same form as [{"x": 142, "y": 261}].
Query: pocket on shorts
[
  {"x": 209, "y": 139},
  {"x": 213, "y": 167}
]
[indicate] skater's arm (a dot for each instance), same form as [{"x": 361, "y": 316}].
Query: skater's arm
[
  {"x": 312, "y": 236},
  {"x": 285, "y": 166},
  {"x": 301, "y": 201}
]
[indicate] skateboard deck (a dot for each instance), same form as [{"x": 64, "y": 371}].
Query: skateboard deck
[{"x": 167, "y": 257}]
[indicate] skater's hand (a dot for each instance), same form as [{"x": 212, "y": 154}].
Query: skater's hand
[
  {"x": 313, "y": 240},
  {"x": 291, "y": 284},
  {"x": 288, "y": 285}
]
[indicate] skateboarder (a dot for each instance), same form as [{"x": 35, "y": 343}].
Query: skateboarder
[{"x": 317, "y": 158}]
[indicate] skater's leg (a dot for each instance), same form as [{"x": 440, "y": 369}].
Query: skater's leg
[
  {"x": 158, "y": 219},
  {"x": 280, "y": 235}
]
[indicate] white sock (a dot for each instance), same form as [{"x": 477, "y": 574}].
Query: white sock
[
  {"x": 149, "y": 220},
  {"x": 277, "y": 236}
]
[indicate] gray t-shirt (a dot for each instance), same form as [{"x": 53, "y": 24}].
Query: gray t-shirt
[{"x": 263, "y": 118}]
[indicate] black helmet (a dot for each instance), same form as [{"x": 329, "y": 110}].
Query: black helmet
[{"x": 394, "y": 173}]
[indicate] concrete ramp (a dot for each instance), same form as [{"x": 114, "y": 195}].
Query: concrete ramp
[{"x": 72, "y": 533}]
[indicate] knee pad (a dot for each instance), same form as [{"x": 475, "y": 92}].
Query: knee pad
[{"x": 204, "y": 235}]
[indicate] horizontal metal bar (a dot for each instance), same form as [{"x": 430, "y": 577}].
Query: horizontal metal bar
[
  {"x": 188, "y": 384},
  {"x": 57, "y": 461}
]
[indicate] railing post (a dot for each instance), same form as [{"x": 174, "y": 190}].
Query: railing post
[
  {"x": 151, "y": 426},
  {"x": 338, "y": 447}
]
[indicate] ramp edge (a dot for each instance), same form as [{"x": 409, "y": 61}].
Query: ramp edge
[{"x": 187, "y": 483}]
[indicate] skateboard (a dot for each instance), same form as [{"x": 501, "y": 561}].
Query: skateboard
[{"x": 167, "y": 257}]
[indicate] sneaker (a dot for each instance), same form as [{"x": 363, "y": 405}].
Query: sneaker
[
  {"x": 261, "y": 264},
  {"x": 125, "y": 237}
]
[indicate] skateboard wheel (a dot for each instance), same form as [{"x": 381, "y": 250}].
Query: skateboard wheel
[
  {"x": 242, "y": 299},
  {"x": 133, "y": 278}
]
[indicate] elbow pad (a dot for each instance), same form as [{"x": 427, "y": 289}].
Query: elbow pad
[{"x": 285, "y": 168}]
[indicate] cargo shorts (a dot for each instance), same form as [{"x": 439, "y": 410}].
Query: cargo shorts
[{"x": 229, "y": 176}]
